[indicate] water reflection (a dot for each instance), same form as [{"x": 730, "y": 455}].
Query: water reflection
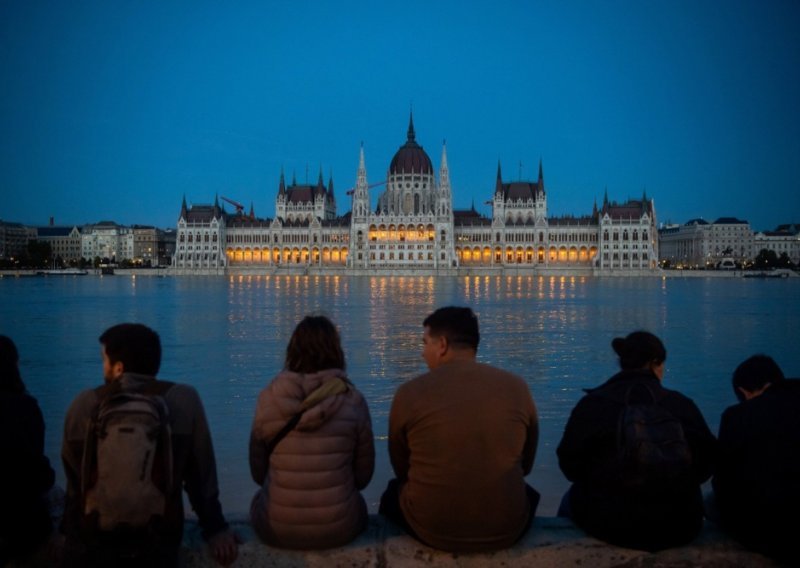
[{"x": 228, "y": 336}]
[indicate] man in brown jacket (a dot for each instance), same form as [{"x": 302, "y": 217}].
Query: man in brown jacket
[{"x": 462, "y": 437}]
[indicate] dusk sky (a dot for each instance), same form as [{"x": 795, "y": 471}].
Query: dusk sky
[{"x": 114, "y": 110}]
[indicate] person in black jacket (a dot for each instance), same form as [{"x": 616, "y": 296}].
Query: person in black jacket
[
  {"x": 25, "y": 473},
  {"x": 658, "y": 511},
  {"x": 757, "y": 480}
]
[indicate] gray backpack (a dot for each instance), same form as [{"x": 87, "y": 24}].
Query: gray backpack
[{"x": 127, "y": 459}]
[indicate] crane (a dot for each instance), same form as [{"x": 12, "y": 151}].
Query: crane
[
  {"x": 370, "y": 186},
  {"x": 239, "y": 206}
]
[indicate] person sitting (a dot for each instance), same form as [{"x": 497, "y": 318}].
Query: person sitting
[
  {"x": 757, "y": 481},
  {"x": 108, "y": 520},
  {"x": 25, "y": 475},
  {"x": 462, "y": 438},
  {"x": 652, "y": 499},
  {"x": 311, "y": 446}
]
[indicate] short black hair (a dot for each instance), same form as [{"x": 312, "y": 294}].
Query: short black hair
[
  {"x": 136, "y": 346},
  {"x": 755, "y": 372},
  {"x": 458, "y": 325},
  {"x": 638, "y": 349}
]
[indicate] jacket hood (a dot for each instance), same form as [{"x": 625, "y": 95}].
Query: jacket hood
[{"x": 290, "y": 389}]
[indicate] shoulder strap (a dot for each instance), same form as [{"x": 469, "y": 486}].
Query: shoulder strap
[{"x": 327, "y": 389}]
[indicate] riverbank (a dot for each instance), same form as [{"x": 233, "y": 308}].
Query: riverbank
[{"x": 567, "y": 272}]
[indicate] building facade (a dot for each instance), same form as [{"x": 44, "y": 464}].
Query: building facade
[
  {"x": 784, "y": 239},
  {"x": 700, "y": 244},
  {"x": 65, "y": 242},
  {"x": 414, "y": 227}
]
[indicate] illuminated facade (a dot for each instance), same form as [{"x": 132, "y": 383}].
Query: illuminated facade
[{"x": 414, "y": 228}]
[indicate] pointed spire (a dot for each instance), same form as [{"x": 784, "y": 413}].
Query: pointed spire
[
  {"x": 252, "y": 211},
  {"x": 411, "y": 134},
  {"x": 540, "y": 182},
  {"x": 330, "y": 186},
  {"x": 184, "y": 209},
  {"x": 217, "y": 210},
  {"x": 294, "y": 178},
  {"x": 320, "y": 183},
  {"x": 605, "y": 198},
  {"x": 282, "y": 184},
  {"x": 498, "y": 186}
]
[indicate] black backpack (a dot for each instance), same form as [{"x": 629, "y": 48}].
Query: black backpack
[
  {"x": 652, "y": 450},
  {"x": 127, "y": 460}
]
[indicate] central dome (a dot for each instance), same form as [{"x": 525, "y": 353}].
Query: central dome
[{"x": 411, "y": 157}]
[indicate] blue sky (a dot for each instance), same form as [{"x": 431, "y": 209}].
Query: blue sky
[{"x": 116, "y": 110}]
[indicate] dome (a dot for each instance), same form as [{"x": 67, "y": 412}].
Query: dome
[{"x": 411, "y": 157}]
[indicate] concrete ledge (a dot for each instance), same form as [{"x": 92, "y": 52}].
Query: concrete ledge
[{"x": 551, "y": 542}]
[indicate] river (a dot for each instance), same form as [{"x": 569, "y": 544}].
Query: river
[{"x": 227, "y": 336}]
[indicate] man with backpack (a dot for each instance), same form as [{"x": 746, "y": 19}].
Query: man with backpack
[
  {"x": 636, "y": 454},
  {"x": 129, "y": 448}
]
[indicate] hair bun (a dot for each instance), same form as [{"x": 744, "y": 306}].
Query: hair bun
[{"x": 618, "y": 345}]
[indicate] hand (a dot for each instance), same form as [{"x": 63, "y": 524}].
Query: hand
[{"x": 225, "y": 547}]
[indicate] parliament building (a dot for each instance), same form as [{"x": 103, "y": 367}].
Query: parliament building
[{"x": 415, "y": 230}]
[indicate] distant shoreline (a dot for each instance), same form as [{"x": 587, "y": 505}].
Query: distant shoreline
[{"x": 567, "y": 272}]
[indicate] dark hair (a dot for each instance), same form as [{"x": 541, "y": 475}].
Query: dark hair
[
  {"x": 314, "y": 346},
  {"x": 755, "y": 372},
  {"x": 638, "y": 349},
  {"x": 10, "y": 379},
  {"x": 135, "y": 345},
  {"x": 458, "y": 325}
]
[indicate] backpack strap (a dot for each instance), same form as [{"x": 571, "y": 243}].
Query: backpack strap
[{"x": 327, "y": 389}]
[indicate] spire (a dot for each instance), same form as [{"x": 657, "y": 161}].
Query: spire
[
  {"x": 330, "y": 186},
  {"x": 444, "y": 171},
  {"x": 498, "y": 186},
  {"x": 252, "y": 211},
  {"x": 294, "y": 178},
  {"x": 282, "y": 184},
  {"x": 540, "y": 181},
  {"x": 217, "y": 210},
  {"x": 184, "y": 210},
  {"x": 605, "y": 198},
  {"x": 411, "y": 135},
  {"x": 320, "y": 183}
]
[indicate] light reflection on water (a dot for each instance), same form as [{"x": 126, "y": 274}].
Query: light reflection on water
[{"x": 228, "y": 336}]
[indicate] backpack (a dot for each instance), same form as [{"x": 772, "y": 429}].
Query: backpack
[
  {"x": 652, "y": 450},
  {"x": 127, "y": 459}
]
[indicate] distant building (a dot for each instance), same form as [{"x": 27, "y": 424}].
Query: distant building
[
  {"x": 699, "y": 244},
  {"x": 149, "y": 245},
  {"x": 65, "y": 242},
  {"x": 414, "y": 227},
  {"x": 784, "y": 239},
  {"x": 107, "y": 240},
  {"x": 13, "y": 240}
]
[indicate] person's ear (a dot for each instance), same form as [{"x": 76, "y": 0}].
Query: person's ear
[
  {"x": 443, "y": 345},
  {"x": 117, "y": 369}
]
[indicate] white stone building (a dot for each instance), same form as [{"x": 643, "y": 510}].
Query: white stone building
[
  {"x": 700, "y": 244},
  {"x": 414, "y": 228}
]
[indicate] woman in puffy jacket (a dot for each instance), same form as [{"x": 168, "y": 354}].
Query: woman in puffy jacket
[{"x": 311, "y": 479}]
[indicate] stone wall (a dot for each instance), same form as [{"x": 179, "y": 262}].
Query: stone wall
[{"x": 552, "y": 542}]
